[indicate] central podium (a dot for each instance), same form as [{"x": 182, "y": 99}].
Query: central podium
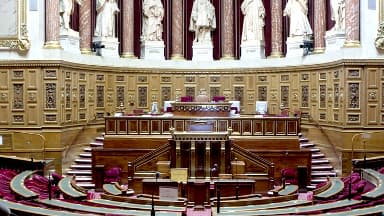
[{"x": 211, "y": 109}]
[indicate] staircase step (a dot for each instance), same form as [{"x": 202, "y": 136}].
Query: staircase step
[
  {"x": 306, "y": 145},
  {"x": 87, "y": 149},
  {"x": 100, "y": 138},
  {"x": 83, "y": 179},
  {"x": 314, "y": 150},
  {"x": 311, "y": 187},
  {"x": 303, "y": 139},
  {"x": 320, "y": 161},
  {"x": 318, "y": 180},
  {"x": 86, "y": 185},
  {"x": 321, "y": 167},
  {"x": 81, "y": 166},
  {"x": 323, "y": 173},
  {"x": 96, "y": 144},
  {"x": 83, "y": 160},
  {"x": 318, "y": 155},
  {"x": 86, "y": 155},
  {"x": 79, "y": 172}
]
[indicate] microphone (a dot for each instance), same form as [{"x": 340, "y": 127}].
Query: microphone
[{"x": 157, "y": 175}]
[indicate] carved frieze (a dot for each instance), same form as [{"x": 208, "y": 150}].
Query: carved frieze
[
  {"x": 18, "y": 96},
  {"x": 304, "y": 96},
  {"x": 120, "y": 92},
  {"x": 379, "y": 40},
  {"x": 50, "y": 74},
  {"x": 166, "y": 79},
  {"x": 323, "y": 96},
  {"x": 284, "y": 94},
  {"x": 262, "y": 93},
  {"x": 214, "y": 79},
  {"x": 18, "y": 119},
  {"x": 50, "y": 95},
  {"x": 99, "y": 77},
  {"x": 354, "y": 95},
  {"x": 214, "y": 91},
  {"x": 68, "y": 95},
  {"x": 143, "y": 96},
  {"x": 120, "y": 78},
  {"x": 166, "y": 93},
  {"x": 99, "y": 96},
  {"x": 18, "y": 74},
  {"x": 336, "y": 95},
  {"x": 142, "y": 79},
  {"x": 82, "y": 96},
  {"x": 239, "y": 93}
]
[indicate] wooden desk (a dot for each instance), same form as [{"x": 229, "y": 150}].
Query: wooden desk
[{"x": 227, "y": 187}]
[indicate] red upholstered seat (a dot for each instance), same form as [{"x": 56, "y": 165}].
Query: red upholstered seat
[
  {"x": 219, "y": 98},
  {"x": 112, "y": 175},
  {"x": 186, "y": 99}
]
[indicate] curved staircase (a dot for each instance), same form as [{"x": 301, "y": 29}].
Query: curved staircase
[
  {"x": 82, "y": 166},
  {"x": 321, "y": 168}
]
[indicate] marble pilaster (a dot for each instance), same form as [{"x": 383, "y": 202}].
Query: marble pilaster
[
  {"x": 85, "y": 27},
  {"x": 352, "y": 23},
  {"x": 227, "y": 29},
  {"x": 277, "y": 29},
  {"x": 177, "y": 30},
  {"x": 128, "y": 30},
  {"x": 52, "y": 24},
  {"x": 319, "y": 26}
]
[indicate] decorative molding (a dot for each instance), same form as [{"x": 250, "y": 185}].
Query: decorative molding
[
  {"x": 379, "y": 40},
  {"x": 16, "y": 13}
]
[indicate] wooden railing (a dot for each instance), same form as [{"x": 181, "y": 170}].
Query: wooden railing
[
  {"x": 246, "y": 125},
  {"x": 146, "y": 158}
]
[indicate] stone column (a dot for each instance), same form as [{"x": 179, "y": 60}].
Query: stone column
[
  {"x": 85, "y": 27},
  {"x": 352, "y": 23},
  {"x": 128, "y": 30},
  {"x": 227, "y": 29},
  {"x": 177, "y": 30},
  {"x": 52, "y": 24},
  {"x": 277, "y": 29},
  {"x": 320, "y": 26},
  {"x": 207, "y": 159}
]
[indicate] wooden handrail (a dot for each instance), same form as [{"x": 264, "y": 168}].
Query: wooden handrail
[
  {"x": 146, "y": 158},
  {"x": 254, "y": 158}
]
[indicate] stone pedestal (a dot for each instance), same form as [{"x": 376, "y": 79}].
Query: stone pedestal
[
  {"x": 251, "y": 50},
  {"x": 334, "y": 41},
  {"x": 152, "y": 50},
  {"x": 202, "y": 51},
  {"x": 293, "y": 46},
  {"x": 111, "y": 47},
  {"x": 70, "y": 41}
]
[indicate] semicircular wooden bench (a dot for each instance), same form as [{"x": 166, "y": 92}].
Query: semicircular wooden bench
[
  {"x": 288, "y": 189},
  {"x": 135, "y": 206},
  {"x": 274, "y": 205},
  {"x": 294, "y": 210},
  {"x": 23, "y": 209},
  {"x": 375, "y": 178},
  {"x": 177, "y": 203},
  {"x": 17, "y": 185},
  {"x": 336, "y": 186},
  {"x": 66, "y": 187},
  {"x": 113, "y": 189},
  {"x": 101, "y": 210}
]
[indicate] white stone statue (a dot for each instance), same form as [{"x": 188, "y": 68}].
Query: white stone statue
[
  {"x": 105, "y": 19},
  {"x": 153, "y": 13},
  {"x": 297, "y": 11},
  {"x": 253, "y": 25},
  {"x": 66, "y": 10},
  {"x": 203, "y": 20},
  {"x": 338, "y": 15}
]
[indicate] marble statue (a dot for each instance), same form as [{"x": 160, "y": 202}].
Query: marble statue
[
  {"x": 297, "y": 11},
  {"x": 203, "y": 20},
  {"x": 253, "y": 24},
  {"x": 105, "y": 19},
  {"x": 66, "y": 10},
  {"x": 338, "y": 15},
  {"x": 153, "y": 13}
]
